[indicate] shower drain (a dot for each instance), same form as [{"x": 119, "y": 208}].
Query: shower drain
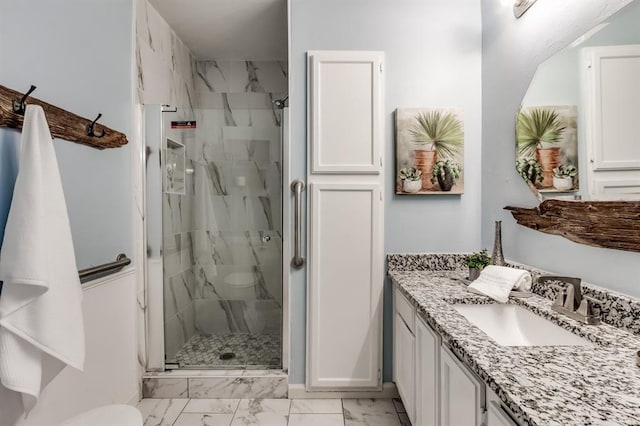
[{"x": 227, "y": 356}]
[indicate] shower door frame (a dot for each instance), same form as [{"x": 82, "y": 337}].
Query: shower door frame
[
  {"x": 286, "y": 233},
  {"x": 152, "y": 190},
  {"x": 152, "y": 144}
]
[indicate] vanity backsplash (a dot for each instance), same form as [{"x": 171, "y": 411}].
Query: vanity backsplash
[
  {"x": 617, "y": 310},
  {"x": 426, "y": 262}
]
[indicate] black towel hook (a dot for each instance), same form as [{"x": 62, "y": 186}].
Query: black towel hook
[
  {"x": 90, "y": 128},
  {"x": 19, "y": 104}
]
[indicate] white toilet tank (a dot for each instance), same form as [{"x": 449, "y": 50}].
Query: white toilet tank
[{"x": 240, "y": 286}]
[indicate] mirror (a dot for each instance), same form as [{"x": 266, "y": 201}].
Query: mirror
[{"x": 578, "y": 130}]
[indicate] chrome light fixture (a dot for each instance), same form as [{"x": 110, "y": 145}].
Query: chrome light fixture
[{"x": 521, "y": 6}]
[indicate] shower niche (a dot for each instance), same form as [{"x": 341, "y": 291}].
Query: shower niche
[{"x": 175, "y": 171}]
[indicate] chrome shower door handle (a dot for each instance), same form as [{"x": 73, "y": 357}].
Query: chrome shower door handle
[{"x": 297, "y": 187}]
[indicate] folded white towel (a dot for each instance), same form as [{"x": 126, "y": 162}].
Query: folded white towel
[
  {"x": 498, "y": 281},
  {"x": 41, "y": 323}
]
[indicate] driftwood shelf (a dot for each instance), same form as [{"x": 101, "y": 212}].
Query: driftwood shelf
[
  {"x": 63, "y": 124},
  {"x": 607, "y": 224}
]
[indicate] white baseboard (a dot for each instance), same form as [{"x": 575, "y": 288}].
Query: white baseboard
[{"x": 389, "y": 390}]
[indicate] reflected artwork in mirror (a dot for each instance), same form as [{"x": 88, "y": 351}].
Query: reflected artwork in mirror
[
  {"x": 585, "y": 102},
  {"x": 547, "y": 147},
  {"x": 577, "y": 133}
]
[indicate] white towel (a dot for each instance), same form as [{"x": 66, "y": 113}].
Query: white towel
[
  {"x": 498, "y": 281},
  {"x": 41, "y": 323}
]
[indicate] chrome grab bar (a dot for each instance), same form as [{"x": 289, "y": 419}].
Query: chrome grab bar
[
  {"x": 297, "y": 187},
  {"x": 101, "y": 270}
]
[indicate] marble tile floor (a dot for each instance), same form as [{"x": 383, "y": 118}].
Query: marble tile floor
[
  {"x": 273, "y": 412},
  {"x": 252, "y": 350}
]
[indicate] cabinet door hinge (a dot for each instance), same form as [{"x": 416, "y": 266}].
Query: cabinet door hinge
[
  {"x": 381, "y": 68},
  {"x": 379, "y": 375}
]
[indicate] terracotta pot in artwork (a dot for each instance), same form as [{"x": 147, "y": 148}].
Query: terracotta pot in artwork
[
  {"x": 425, "y": 160},
  {"x": 549, "y": 159}
]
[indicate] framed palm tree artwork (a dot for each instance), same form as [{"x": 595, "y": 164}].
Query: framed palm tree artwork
[{"x": 429, "y": 151}]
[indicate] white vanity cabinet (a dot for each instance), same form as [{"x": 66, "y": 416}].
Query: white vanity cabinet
[
  {"x": 436, "y": 388},
  {"x": 404, "y": 352}
]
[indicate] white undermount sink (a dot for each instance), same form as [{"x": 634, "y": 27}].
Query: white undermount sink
[{"x": 513, "y": 325}]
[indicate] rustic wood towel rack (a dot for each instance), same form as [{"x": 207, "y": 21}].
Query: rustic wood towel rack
[
  {"x": 63, "y": 124},
  {"x": 607, "y": 224}
]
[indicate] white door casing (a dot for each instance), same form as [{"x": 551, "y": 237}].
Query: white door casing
[{"x": 345, "y": 226}]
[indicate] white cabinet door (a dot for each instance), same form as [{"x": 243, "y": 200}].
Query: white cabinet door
[
  {"x": 345, "y": 112},
  {"x": 427, "y": 375},
  {"x": 404, "y": 353},
  {"x": 612, "y": 106},
  {"x": 461, "y": 393},
  {"x": 345, "y": 283}
]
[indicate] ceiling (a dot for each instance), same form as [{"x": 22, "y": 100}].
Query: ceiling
[{"x": 229, "y": 29}]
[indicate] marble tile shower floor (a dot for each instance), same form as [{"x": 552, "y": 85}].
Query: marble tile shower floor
[
  {"x": 273, "y": 412},
  {"x": 251, "y": 351}
]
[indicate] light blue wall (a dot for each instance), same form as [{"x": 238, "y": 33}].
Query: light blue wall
[
  {"x": 432, "y": 58},
  {"x": 9, "y": 148},
  {"x": 78, "y": 53},
  {"x": 512, "y": 49}
]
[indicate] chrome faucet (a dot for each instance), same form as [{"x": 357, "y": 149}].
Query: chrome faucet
[{"x": 570, "y": 301}]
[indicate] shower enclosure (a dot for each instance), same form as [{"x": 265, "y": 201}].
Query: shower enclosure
[{"x": 214, "y": 235}]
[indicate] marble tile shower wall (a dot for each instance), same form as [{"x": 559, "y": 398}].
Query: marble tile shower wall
[
  {"x": 165, "y": 66},
  {"x": 166, "y": 74},
  {"x": 237, "y": 238}
]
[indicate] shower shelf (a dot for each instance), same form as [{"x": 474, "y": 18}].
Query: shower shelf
[{"x": 175, "y": 168}]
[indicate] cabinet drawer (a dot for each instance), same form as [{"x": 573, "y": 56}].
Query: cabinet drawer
[{"x": 405, "y": 310}]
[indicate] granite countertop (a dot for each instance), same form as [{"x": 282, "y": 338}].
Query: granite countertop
[{"x": 542, "y": 385}]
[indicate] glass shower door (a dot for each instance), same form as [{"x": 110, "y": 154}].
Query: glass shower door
[{"x": 222, "y": 239}]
